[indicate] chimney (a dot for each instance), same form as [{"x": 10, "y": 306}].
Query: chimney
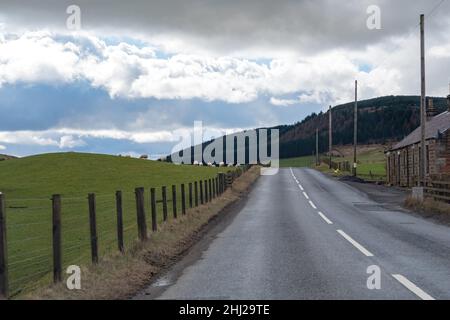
[
  {"x": 448, "y": 99},
  {"x": 431, "y": 110},
  {"x": 448, "y": 103}
]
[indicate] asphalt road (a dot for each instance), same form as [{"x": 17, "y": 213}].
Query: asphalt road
[{"x": 302, "y": 235}]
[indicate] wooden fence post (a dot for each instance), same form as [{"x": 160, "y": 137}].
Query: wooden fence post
[
  {"x": 217, "y": 186},
  {"x": 93, "y": 227},
  {"x": 164, "y": 202},
  {"x": 183, "y": 200},
  {"x": 153, "y": 208},
  {"x": 190, "y": 195},
  {"x": 196, "y": 193},
  {"x": 213, "y": 188},
  {"x": 227, "y": 178},
  {"x": 210, "y": 189},
  {"x": 119, "y": 221},
  {"x": 221, "y": 183},
  {"x": 3, "y": 251},
  {"x": 174, "y": 201},
  {"x": 201, "y": 192},
  {"x": 140, "y": 211},
  {"x": 206, "y": 191},
  {"x": 56, "y": 233}
]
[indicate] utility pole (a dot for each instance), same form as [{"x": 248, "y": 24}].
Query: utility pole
[
  {"x": 355, "y": 129},
  {"x": 422, "y": 102},
  {"x": 317, "y": 147},
  {"x": 330, "y": 135}
]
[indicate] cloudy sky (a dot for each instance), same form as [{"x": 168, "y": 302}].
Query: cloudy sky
[{"x": 138, "y": 73}]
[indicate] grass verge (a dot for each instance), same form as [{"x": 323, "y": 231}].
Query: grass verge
[
  {"x": 122, "y": 276},
  {"x": 430, "y": 208},
  {"x": 29, "y": 182}
]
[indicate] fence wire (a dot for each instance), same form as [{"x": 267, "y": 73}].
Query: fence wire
[{"x": 29, "y": 230}]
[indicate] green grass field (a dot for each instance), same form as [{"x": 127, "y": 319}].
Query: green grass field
[
  {"x": 28, "y": 184},
  {"x": 371, "y": 161},
  {"x": 307, "y": 161}
]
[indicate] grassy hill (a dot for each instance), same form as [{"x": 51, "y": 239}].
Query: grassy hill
[
  {"x": 77, "y": 174},
  {"x": 6, "y": 157},
  {"x": 28, "y": 184}
]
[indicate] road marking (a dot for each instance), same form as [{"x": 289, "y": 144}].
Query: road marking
[
  {"x": 296, "y": 180},
  {"x": 312, "y": 204},
  {"x": 325, "y": 218},
  {"x": 412, "y": 287},
  {"x": 306, "y": 196},
  {"x": 366, "y": 252}
]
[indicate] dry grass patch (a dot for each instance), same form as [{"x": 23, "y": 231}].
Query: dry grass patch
[
  {"x": 120, "y": 276},
  {"x": 430, "y": 208}
]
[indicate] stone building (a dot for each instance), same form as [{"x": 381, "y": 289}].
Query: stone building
[{"x": 402, "y": 161}]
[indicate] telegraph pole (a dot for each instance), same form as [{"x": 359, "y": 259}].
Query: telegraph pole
[
  {"x": 422, "y": 102},
  {"x": 317, "y": 146},
  {"x": 355, "y": 129},
  {"x": 330, "y": 134}
]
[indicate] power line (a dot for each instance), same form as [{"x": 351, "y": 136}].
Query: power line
[{"x": 428, "y": 16}]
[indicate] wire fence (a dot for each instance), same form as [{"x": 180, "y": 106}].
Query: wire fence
[
  {"x": 345, "y": 166},
  {"x": 39, "y": 238}
]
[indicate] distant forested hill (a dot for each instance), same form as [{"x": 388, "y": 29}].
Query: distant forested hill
[{"x": 380, "y": 120}]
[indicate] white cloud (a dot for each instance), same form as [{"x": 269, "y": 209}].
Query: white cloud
[
  {"x": 36, "y": 57},
  {"x": 261, "y": 27},
  {"x": 440, "y": 51},
  {"x": 28, "y": 138},
  {"x": 70, "y": 142},
  {"x": 67, "y": 138},
  {"x": 2, "y": 147},
  {"x": 283, "y": 102},
  {"x": 131, "y": 72}
]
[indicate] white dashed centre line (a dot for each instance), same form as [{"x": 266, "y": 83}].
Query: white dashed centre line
[
  {"x": 412, "y": 287},
  {"x": 312, "y": 204},
  {"x": 325, "y": 218},
  {"x": 306, "y": 196},
  {"x": 301, "y": 187},
  {"x": 366, "y": 252}
]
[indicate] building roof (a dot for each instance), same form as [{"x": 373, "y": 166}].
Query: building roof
[{"x": 434, "y": 126}]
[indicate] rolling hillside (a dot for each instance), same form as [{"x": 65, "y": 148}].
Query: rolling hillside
[
  {"x": 381, "y": 120},
  {"x": 77, "y": 174},
  {"x": 28, "y": 184}
]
